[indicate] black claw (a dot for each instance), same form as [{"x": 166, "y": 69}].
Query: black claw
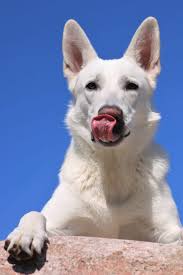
[
  {"x": 6, "y": 244},
  {"x": 12, "y": 253},
  {"x": 15, "y": 246}
]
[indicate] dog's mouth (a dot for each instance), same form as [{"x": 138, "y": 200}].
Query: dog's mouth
[{"x": 108, "y": 127}]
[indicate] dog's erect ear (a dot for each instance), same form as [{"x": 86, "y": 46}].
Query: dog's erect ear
[
  {"x": 77, "y": 50},
  {"x": 145, "y": 47}
]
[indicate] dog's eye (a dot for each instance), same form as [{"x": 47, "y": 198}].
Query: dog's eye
[
  {"x": 91, "y": 86},
  {"x": 131, "y": 86}
]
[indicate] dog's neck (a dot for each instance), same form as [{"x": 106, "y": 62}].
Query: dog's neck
[{"x": 113, "y": 169}]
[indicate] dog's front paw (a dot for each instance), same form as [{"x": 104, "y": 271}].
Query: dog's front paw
[{"x": 23, "y": 245}]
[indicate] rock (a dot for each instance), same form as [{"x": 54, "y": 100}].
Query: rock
[{"x": 83, "y": 255}]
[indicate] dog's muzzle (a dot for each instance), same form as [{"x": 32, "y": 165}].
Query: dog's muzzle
[{"x": 108, "y": 127}]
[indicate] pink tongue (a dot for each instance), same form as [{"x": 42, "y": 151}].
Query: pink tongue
[{"x": 102, "y": 127}]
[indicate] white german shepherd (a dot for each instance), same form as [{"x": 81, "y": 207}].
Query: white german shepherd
[{"x": 113, "y": 177}]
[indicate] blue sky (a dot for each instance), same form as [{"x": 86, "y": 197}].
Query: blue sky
[{"x": 34, "y": 95}]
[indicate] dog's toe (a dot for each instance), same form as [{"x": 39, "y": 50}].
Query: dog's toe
[{"x": 6, "y": 244}]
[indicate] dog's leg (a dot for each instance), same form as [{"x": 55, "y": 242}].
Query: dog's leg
[
  {"x": 64, "y": 214},
  {"x": 28, "y": 238}
]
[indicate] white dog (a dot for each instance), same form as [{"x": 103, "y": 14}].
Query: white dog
[{"x": 113, "y": 177}]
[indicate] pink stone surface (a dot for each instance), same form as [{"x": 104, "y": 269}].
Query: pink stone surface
[{"x": 84, "y": 256}]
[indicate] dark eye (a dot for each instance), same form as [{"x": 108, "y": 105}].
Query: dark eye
[
  {"x": 92, "y": 86},
  {"x": 131, "y": 86}
]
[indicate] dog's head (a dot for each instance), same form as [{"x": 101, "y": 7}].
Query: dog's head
[{"x": 111, "y": 97}]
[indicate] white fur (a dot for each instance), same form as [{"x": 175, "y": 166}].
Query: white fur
[{"x": 116, "y": 192}]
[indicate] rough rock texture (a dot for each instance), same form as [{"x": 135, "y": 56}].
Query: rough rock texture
[{"x": 81, "y": 255}]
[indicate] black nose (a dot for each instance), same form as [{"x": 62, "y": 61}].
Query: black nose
[{"x": 111, "y": 110}]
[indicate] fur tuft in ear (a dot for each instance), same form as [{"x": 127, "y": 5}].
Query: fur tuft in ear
[
  {"x": 77, "y": 50},
  {"x": 145, "y": 47}
]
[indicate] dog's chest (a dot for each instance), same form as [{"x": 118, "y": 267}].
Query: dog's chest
[
  {"x": 109, "y": 190},
  {"x": 114, "y": 181},
  {"x": 116, "y": 203},
  {"x": 117, "y": 219}
]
